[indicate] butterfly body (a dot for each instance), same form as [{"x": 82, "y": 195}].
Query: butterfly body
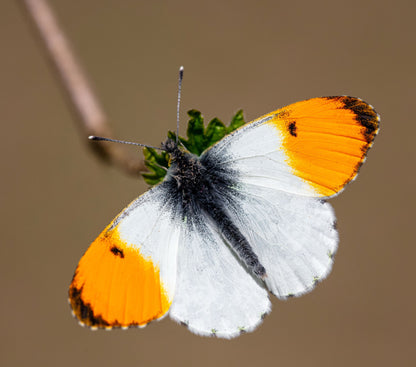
[
  {"x": 204, "y": 190},
  {"x": 247, "y": 216}
]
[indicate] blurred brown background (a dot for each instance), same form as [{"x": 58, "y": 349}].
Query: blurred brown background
[{"x": 256, "y": 55}]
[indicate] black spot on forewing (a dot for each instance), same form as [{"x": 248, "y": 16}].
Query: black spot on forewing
[
  {"x": 117, "y": 252},
  {"x": 292, "y": 128}
]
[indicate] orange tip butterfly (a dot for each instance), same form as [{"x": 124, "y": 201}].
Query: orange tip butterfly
[{"x": 247, "y": 217}]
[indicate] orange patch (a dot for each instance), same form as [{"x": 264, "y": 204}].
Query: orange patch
[
  {"x": 114, "y": 285},
  {"x": 326, "y": 139}
]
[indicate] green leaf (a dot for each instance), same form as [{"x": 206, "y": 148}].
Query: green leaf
[
  {"x": 195, "y": 132},
  {"x": 236, "y": 122},
  {"x": 215, "y": 131},
  {"x": 151, "y": 155},
  {"x": 155, "y": 162},
  {"x": 198, "y": 140}
]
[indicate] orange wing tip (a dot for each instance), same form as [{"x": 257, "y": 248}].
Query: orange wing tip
[
  {"x": 115, "y": 286},
  {"x": 326, "y": 139}
]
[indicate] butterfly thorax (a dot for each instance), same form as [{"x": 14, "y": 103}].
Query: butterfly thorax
[{"x": 185, "y": 167}]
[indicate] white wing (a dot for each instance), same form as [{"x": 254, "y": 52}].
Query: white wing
[
  {"x": 294, "y": 237},
  {"x": 215, "y": 295}
]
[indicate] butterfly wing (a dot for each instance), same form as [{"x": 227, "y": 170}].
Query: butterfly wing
[
  {"x": 127, "y": 276},
  {"x": 311, "y": 148},
  {"x": 281, "y": 164},
  {"x": 214, "y": 295},
  {"x": 294, "y": 237}
]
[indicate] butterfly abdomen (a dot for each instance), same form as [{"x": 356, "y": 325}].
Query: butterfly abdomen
[{"x": 233, "y": 236}]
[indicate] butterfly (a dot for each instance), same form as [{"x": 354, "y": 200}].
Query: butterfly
[{"x": 247, "y": 217}]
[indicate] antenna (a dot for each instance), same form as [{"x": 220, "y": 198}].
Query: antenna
[
  {"x": 99, "y": 138},
  {"x": 179, "y": 102}
]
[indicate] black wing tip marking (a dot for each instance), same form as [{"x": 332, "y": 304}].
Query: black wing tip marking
[
  {"x": 83, "y": 311},
  {"x": 86, "y": 316},
  {"x": 365, "y": 115}
]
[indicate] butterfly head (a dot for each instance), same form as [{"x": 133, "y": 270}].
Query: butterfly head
[{"x": 171, "y": 146}]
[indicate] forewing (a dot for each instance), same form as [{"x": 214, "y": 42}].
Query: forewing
[
  {"x": 127, "y": 276},
  {"x": 215, "y": 295},
  {"x": 294, "y": 237},
  {"x": 311, "y": 148}
]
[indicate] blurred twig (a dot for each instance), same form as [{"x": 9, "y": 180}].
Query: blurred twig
[{"x": 93, "y": 120}]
